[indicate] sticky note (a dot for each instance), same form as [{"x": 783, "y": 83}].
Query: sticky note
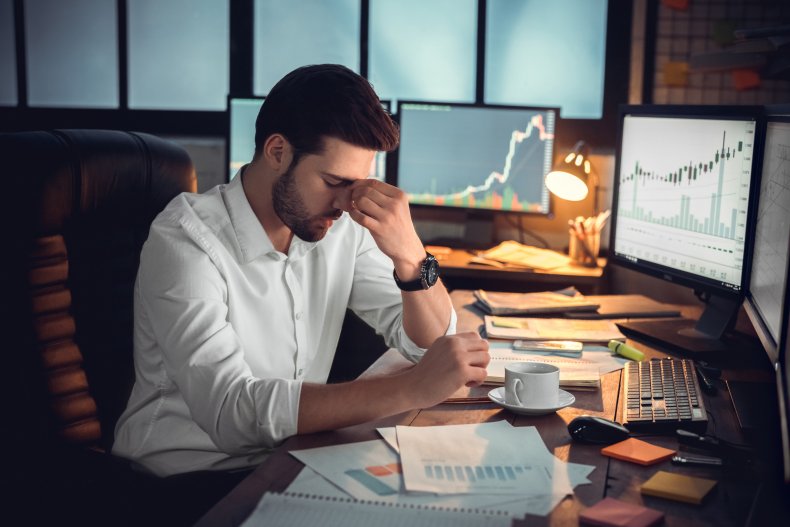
[
  {"x": 616, "y": 513},
  {"x": 745, "y": 79},
  {"x": 637, "y": 451},
  {"x": 680, "y": 5},
  {"x": 676, "y": 73},
  {"x": 687, "y": 489}
]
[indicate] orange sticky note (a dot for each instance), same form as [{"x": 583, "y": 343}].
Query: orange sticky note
[
  {"x": 637, "y": 451},
  {"x": 745, "y": 79},
  {"x": 676, "y": 4},
  {"x": 378, "y": 470},
  {"x": 676, "y": 73}
]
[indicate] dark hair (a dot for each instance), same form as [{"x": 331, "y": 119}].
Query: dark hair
[{"x": 326, "y": 100}]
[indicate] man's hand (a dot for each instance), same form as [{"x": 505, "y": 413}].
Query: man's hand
[
  {"x": 451, "y": 362},
  {"x": 384, "y": 211}
]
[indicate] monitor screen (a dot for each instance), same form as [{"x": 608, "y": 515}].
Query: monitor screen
[
  {"x": 242, "y": 113},
  {"x": 476, "y": 157},
  {"x": 767, "y": 284},
  {"x": 682, "y": 198}
]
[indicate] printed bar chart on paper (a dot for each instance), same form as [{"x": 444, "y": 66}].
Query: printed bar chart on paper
[{"x": 708, "y": 166}]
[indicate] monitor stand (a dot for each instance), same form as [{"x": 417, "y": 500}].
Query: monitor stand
[
  {"x": 478, "y": 233},
  {"x": 692, "y": 336}
]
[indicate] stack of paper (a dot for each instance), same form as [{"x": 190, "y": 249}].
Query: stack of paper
[
  {"x": 551, "y": 329},
  {"x": 493, "y": 303},
  {"x": 516, "y": 254},
  {"x": 489, "y": 466},
  {"x": 574, "y": 373}
]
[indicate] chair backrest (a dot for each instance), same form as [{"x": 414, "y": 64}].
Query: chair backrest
[{"x": 81, "y": 204}]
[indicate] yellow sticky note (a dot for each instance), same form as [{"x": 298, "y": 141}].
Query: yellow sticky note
[
  {"x": 504, "y": 322},
  {"x": 676, "y": 73},
  {"x": 677, "y": 487}
]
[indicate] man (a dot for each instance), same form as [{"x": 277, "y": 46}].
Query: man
[{"x": 241, "y": 292}]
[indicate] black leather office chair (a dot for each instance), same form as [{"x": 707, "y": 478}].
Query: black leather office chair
[{"x": 76, "y": 210}]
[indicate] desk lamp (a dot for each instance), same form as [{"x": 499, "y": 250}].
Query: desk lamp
[{"x": 573, "y": 178}]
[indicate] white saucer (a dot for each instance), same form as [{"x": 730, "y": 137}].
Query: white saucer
[{"x": 497, "y": 395}]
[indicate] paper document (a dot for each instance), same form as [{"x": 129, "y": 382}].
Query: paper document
[
  {"x": 494, "y": 303},
  {"x": 552, "y": 329},
  {"x": 527, "y": 256},
  {"x": 475, "y": 459}
]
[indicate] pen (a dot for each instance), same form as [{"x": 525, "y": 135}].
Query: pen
[
  {"x": 696, "y": 460},
  {"x": 626, "y": 351}
]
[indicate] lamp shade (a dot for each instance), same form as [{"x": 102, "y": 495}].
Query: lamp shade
[{"x": 571, "y": 177}]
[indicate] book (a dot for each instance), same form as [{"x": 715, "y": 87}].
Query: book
[
  {"x": 610, "y": 512},
  {"x": 677, "y": 487},
  {"x": 575, "y": 374},
  {"x": 494, "y": 303},
  {"x": 286, "y": 510},
  {"x": 638, "y": 451},
  {"x": 551, "y": 329}
]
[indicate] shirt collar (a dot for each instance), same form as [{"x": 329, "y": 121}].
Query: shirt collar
[{"x": 250, "y": 234}]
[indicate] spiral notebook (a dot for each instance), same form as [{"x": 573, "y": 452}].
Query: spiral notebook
[{"x": 287, "y": 510}]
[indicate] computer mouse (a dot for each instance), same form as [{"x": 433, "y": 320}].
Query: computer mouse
[{"x": 592, "y": 429}]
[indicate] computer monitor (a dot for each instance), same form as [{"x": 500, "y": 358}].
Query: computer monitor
[
  {"x": 476, "y": 157},
  {"x": 768, "y": 299},
  {"x": 242, "y": 113},
  {"x": 765, "y": 297},
  {"x": 683, "y": 208}
]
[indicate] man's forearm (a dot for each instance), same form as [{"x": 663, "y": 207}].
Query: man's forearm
[
  {"x": 426, "y": 314},
  {"x": 331, "y": 406}
]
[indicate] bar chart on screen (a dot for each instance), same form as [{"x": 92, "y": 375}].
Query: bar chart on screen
[{"x": 709, "y": 166}]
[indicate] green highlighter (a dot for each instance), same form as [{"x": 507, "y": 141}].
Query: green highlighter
[{"x": 628, "y": 352}]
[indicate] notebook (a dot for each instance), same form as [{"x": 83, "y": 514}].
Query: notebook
[
  {"x": 678, "y": 487},
  {"x": 575, "y": 374},
  {"x": 287, "y": 510},
  {"x": 637, "y": 451},
  {"x": 616, "y": 513},
  {"x": 551, "y": 329},
  {"x": 495, "y": 303}
]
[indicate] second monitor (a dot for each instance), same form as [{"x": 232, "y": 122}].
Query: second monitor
[{"x": 476, "y": 157}]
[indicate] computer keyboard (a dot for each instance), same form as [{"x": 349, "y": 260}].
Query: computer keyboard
[{"x": 662, "y": 395}]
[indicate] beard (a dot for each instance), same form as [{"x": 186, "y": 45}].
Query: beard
[{"x": 292, "y": 211}]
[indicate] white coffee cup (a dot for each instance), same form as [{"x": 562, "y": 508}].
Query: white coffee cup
[{"x": 532, "y": 385}]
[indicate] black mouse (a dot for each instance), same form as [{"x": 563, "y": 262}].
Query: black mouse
[{"x": 592, "y": 429}]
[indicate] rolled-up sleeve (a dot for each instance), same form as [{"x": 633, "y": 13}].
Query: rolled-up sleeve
[{"x": 183, "y": 291}]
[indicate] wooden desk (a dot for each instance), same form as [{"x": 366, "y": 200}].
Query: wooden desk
[
  {"x": 459, "y": 273},
  {"x": 728, "y": 504}
]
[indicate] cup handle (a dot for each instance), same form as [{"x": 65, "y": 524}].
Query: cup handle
[{"x": 515, "y": 384}]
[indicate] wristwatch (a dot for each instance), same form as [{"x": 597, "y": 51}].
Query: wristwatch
[{"x": 429, "y": 274}]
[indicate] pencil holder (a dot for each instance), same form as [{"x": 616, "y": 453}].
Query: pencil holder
[{"x": 584, "y": 249}]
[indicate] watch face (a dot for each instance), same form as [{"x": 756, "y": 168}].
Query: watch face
[{"x": 432, "y": 274}]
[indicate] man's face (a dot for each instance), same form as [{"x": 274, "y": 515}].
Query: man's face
[{"x": 314, "y": 192}]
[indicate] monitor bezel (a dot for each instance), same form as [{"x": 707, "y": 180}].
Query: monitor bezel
[
  {"x": 723, "y": 112},
  {"x": 771, "y": 346},
  {"x": 393, "y": 170}
]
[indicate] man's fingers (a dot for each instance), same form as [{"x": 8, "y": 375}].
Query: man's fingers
[
  {"x": 368, "y": 206},
  {"x": 479, "y": 358}
]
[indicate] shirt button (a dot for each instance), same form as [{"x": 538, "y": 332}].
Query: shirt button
[
  {"x": 300, "y": 372},
  {"x": 299, "y": 316}
]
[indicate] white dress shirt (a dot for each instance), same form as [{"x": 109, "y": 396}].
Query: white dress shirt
[{"x": 226, "y": 329}]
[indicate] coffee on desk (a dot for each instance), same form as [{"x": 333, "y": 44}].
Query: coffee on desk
[{"x": 532, "y": 384}]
